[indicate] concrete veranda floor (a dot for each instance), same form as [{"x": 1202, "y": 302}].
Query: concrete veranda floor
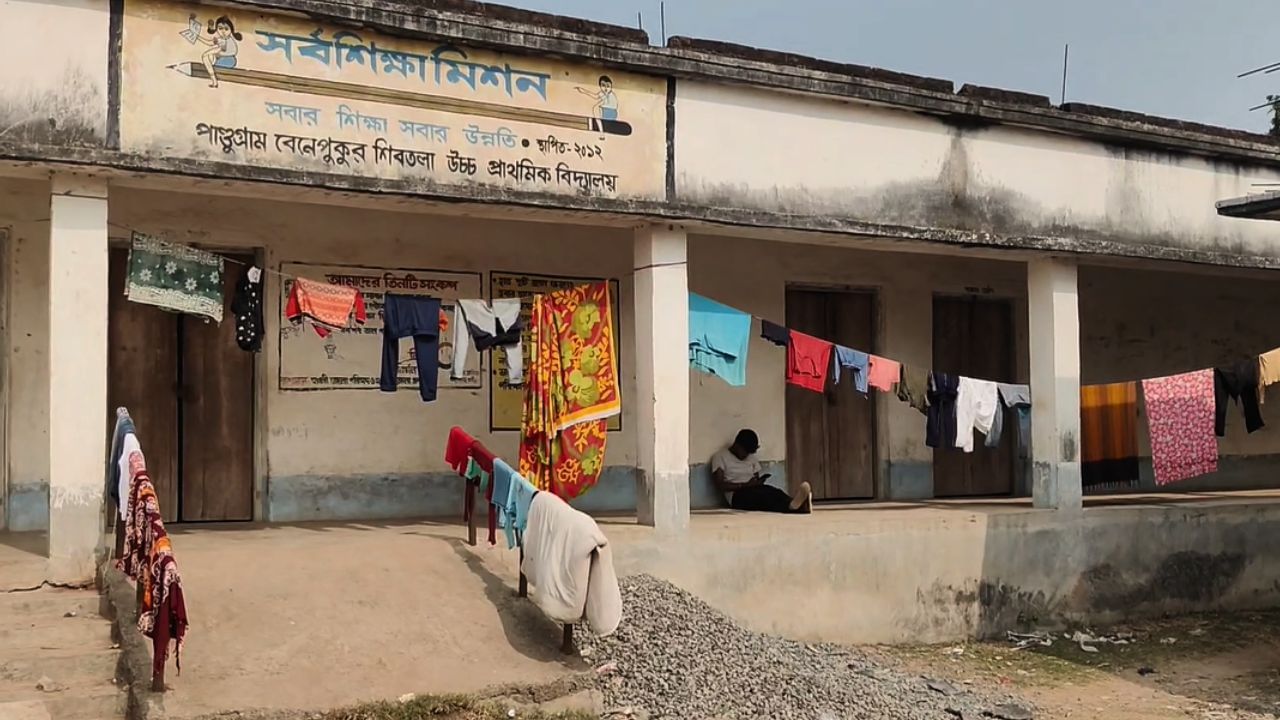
[{"x": 323, "y": 614}]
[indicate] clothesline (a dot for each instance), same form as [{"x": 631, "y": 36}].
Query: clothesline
[{"x": 758, "y": 318}]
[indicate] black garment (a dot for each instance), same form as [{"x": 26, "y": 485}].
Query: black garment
[
  {"x": 247, "y": 305},
  {"x": 486, "y": 338},
  {"x": 940, "y": 428},
  {"x": 411, "y": 316},
  {"x": 763, "y": 498},
  {"x": 1237, "y": 382},
  {"x": 774, "y": 333}
]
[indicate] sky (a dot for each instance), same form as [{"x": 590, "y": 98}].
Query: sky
[{"x": 1174, "y": 58}]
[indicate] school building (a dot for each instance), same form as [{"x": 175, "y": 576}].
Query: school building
[{"x": 464, "y": 150}]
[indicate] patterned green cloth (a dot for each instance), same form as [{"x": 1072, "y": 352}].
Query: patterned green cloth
[{"x": 174, "y": 277}]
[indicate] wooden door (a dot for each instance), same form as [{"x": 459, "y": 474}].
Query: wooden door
[
  {"x": 831, "y": 435},
  {"x": 217, "y": 417},
  {"x": 142, "y": 375},
  {"x": 974, "y": 337}
]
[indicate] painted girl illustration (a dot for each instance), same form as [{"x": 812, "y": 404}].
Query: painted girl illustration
[
  {"x": 223, "y": 47},
  {"x": 606, "y": 107}
]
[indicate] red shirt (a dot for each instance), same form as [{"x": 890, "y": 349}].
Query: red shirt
[{"x": 808, "y": 361}]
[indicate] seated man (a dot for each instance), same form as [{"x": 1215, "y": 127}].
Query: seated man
[{"x": 736, "y": 473}]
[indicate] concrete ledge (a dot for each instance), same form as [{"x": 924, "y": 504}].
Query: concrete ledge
[
  {"x": 934, "y": 572},
  {"x": 134, "y": 668}
]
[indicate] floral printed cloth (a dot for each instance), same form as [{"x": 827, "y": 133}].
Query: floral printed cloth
[
  {"x": 1180, "y": 419},
  {"x": 571, "y": 390},
  {"x": 174, "y": 277}
]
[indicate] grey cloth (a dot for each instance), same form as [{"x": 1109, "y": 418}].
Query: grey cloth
[
  {"x": 478, "y": 320},
  {"x": 997, "y": 428},
  {"x": 1018, "y": 399}
]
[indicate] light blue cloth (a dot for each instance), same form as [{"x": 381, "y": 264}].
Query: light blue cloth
[
  {"x": 718, "y": 339},
  {"x": 516, "y": 493},
  {"x": 855, "y": 360}
]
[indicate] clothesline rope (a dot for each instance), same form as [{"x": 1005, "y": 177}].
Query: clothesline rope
[{"x": 758, "y": 318}]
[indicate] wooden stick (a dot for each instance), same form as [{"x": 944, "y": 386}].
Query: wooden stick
[
  {"x": 566, "y": 644},
  {"x": 471, "y": 513},
  {"x": 423, "y": 101}
]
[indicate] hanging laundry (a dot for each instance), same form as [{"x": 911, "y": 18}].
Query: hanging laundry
[
  {"x": 1180, "y": 413},
  {"x": 147, "y": 557},
  {"x": 1268, "y": 372},
  {"x": 489, "y": 326},
  {"x": 775, "y": 333},
  {"x": 418, "y": 317},
  {"x": 118, "y": 479},
  {"x": 328, "y": 307},
  {"x": 1237, "y": 382},
  {"x": 940, "y": 426},
  {"x": 883, "y": 374},
  {"x": 997, "y": 426},
  {"x": 247, "y": 305},
  {"x": 856, "y": 361},
  {"x": 1108, "y": 435},
  {"x": 569, "y": 563},
  {"x": 500, "y": 503},
  {"x": 131, "y": 460},
  {"x": 174, "y": 277},
  {"x": 1018, "y": 399},
  {"x": 913, "y": 387},
  {"x": 977, "y": 402},
  {"x": 808, "y": 358},
  {"x": 164, "y": 609},
  {"x": 571, "y": 389},
  {"x": 718, "y": 339},
  {"x": 517, "y": 496}
]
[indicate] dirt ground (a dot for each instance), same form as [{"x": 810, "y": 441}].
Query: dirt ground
[{"x": 1207, "y": 667}]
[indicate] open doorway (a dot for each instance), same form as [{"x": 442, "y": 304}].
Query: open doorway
[
  {"x": 831, "y": 436},
  {"x": 190, "y": 391}
]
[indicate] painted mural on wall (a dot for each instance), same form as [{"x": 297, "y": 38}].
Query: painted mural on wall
[
  {"x": 234, "y": 85},
  {"x": 54, "y": 96},
  {"x": 506, "y": 402},
  {"x": 351, "y": 359}
]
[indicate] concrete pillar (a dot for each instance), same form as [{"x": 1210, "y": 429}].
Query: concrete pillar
[
  {"x": 662, "y": 376},
  {"x": 1054, "y": 339},
  {"x": 77, "y": 374}
]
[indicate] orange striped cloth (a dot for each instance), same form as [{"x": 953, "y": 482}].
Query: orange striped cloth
[
  {"x": 323, "y": 303},
  {"x": 571, "y": 389},
  {"x": 1109, "y": 434}
]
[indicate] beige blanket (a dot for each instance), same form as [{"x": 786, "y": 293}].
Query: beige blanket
[{"x": 568, "y": 562}]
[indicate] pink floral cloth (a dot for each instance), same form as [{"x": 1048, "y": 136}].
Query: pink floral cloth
[{"x": 1180, "y": 420}]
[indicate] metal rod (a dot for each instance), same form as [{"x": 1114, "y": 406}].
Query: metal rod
[
  {"x": 662, "y": 20},
  {"x": 1066, "y": 55}
]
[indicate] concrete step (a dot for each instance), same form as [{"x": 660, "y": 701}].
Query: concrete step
[
  {"x": 49, "y": 603},
  {"x": 89, "y": 633},
  {"x": 105, "y": 702},
  {"x": 69, "y": 667}
]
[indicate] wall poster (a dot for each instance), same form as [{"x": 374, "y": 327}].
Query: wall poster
[
  {"x": 233, "y": 84},
  {"x": 351, "y": 359},
  {"x": 506, "y": 403}
]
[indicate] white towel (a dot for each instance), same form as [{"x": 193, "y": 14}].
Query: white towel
[
  {"x": 568, "y": 561},
  {"x": 976, "y": 404}
]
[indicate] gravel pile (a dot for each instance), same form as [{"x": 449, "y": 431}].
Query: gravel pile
[{"x": 676, "y": 657}]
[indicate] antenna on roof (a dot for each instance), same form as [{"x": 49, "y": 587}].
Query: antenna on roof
[
  {"x": 640, "y": 20},
  {"x": 1066, "y": 55},
  {"x": 662, "y": 20},
  {"x": 1264, "y": 69}
]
